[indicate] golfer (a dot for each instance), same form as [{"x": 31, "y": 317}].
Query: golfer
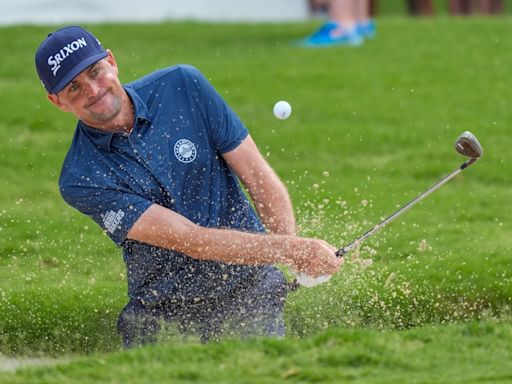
[{"x": 156, "y": 163}]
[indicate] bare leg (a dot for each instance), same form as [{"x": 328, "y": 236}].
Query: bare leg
[
  {"x": 488, "y": 7},
  {"x": 362, "y": 11},
  {"x": 344, "y": 26},
  {"x": 425, "y": 7},
  {"x": 343, "y": 11},
  {"x": 455, "y": 7}
]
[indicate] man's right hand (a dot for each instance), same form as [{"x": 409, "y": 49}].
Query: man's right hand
[{"x": 315, "y": 258}]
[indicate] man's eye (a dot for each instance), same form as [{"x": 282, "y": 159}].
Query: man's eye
[
  {"x": 73, "y": 87},
  {"x": 95, "y": 72}
]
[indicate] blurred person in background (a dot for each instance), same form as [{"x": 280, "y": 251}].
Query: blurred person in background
[
  {"x": 420, "y": 7},
  {"x": 349, "y": 23},
  {"x": 468, "y": 7}
]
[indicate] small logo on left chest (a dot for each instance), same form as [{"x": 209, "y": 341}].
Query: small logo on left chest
[{"x": 185, "y": 151}]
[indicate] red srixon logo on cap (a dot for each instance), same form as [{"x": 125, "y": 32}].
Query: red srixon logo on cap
[{"x": 55, "y": 60}]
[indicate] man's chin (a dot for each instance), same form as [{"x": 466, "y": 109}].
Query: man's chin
[
  {"x": 101, "y": 121},
  {"x": 104, "y": 116}
]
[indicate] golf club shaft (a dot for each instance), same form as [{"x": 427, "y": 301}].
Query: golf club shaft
[{"x": 344, "y": 250}]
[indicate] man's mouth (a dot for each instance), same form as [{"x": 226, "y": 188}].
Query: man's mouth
[{"x": 96, "y": 98}]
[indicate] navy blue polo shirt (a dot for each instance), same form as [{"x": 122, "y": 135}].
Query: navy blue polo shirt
[{"x": 172, "y": 157}]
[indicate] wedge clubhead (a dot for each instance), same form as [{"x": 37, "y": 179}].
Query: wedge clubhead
[{"x": 467, "y": 145}]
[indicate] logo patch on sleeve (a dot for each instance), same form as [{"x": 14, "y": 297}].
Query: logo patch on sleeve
[
  {"x": 185, "y": 151},
  {"x": 111, "y": 220}
]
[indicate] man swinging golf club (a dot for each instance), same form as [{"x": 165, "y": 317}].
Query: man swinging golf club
[{"x": 156, "y": 164}]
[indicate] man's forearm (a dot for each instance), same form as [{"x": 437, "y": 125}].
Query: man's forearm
[
  {"x": 275, "y": 209},
  {"x": 164, "y": 228},
  {"x": 237, "y": 247},
  {"x": 268, "y": 193}
]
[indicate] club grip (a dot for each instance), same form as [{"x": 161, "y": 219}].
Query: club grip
[{"x": 307, "y": 281}]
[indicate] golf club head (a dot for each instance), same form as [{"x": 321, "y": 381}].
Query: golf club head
[{"x": 467, "y": 145}]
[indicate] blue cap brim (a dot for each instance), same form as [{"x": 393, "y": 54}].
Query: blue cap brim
[{"x": 77, "y": 69}]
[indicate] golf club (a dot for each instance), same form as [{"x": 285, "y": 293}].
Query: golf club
[{"x": 466, "y": 144}]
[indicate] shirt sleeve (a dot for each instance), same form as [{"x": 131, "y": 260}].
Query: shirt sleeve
[
  {"x": 225, "y": 127},
  {"x": 115, "y": 211}
]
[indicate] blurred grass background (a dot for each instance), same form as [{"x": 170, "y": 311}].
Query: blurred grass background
[{"x": 371, "y": 128}]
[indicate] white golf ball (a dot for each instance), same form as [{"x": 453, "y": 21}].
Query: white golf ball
[{"x": 282, "y": 110}]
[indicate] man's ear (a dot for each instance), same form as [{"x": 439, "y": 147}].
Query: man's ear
[
  {"x": 111, "y": 60},
  {"x": 54, "y": 99}
]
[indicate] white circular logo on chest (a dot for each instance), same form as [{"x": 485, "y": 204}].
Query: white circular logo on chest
[{"x": 185, "y": 151}]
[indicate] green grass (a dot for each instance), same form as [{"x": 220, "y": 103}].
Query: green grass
[
  {"x": 371, "y": 128},
  {"x": 471, "y": 353}
]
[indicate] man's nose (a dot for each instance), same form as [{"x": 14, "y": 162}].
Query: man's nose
[{"x": 91, "y": 88}]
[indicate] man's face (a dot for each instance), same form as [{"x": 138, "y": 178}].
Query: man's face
[{"x": 95, "y": 95}]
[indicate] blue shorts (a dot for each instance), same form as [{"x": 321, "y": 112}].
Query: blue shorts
[{"x": 255, "y": 309}]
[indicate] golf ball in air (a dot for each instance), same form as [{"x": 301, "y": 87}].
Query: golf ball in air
[{"x": 282, "y": 110}]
